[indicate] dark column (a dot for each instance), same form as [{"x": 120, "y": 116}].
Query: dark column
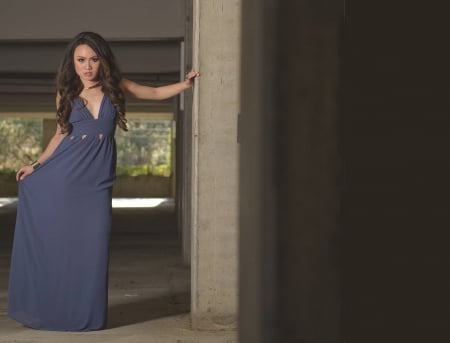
[
  {"x": 289, "y": 250},
  {"x": 395, "y": 129},
  {"x": 184, "y": 146}
]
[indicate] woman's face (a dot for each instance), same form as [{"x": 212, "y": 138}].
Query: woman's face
[{"x": 87, "y": 64}]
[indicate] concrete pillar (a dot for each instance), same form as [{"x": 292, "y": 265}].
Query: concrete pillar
[
  {"x": 289, "y": 166},
  {"x": 216, "y": 52}
]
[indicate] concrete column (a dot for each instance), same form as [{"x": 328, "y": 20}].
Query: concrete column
[
  {"x": 289, "y": 167},
  {"x": 216, "y": 52}
]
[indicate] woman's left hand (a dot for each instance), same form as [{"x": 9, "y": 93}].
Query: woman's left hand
[
  {"x": 24, "y": 172},
  {"x": 190, "y": 77}
]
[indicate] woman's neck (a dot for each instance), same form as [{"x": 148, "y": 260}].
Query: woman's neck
[{"x": 91, "y": 86}]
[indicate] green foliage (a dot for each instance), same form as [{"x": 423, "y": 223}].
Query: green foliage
[
  {"x": 20, "y": 142},
  {"x": 148, "y": 169},
  {"x": 145, "y": 149},
  {"x": 7, "y": 173}
]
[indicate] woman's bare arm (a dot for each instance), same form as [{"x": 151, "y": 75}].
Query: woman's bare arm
[
  {"x": 51, "y": 147},
  {"x": 139, "y": 91},
  {"x": 49, "y": 150}
]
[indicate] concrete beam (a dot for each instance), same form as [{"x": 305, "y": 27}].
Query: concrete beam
[
  {"x": 56, "y": 19},
  {"x": 133, "y": 56}
]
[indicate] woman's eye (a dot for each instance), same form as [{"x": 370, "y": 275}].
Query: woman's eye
[
  {"x": 95, "y": 59},
  {"x": 81, "y": 60}
]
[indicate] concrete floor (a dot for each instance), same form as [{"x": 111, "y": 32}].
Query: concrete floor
[{"x": 149, "y": 290}]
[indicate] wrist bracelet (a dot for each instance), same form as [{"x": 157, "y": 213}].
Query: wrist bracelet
[{"x": 35, "y": 165}]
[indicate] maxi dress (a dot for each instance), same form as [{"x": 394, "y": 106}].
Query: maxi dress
[{"x": 59, "y": 267}]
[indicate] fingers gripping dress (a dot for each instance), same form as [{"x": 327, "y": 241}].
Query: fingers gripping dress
[{"x": 59, "y": 267}]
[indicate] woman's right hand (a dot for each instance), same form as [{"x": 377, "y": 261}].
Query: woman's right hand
[{"x": 24, "y": 172}]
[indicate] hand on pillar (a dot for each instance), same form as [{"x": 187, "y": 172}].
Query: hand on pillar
[{"x": 190, "y": 77}]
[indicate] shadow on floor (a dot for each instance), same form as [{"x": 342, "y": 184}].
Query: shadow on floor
[{"x": 144, "y": 310}]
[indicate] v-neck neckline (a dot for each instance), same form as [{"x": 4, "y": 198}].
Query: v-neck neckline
[{"x": 99, "y": 110}]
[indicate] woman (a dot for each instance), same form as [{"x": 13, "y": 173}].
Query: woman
[{"x": 59, "y": 267}]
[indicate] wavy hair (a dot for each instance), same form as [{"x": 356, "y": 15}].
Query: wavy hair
[{"x": 69, "y": 85}]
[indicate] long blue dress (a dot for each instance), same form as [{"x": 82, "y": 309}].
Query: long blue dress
[{"x": 59, "y": 266}]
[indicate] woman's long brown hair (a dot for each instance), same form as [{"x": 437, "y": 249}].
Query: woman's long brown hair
[{"x": 69, "y": 85}]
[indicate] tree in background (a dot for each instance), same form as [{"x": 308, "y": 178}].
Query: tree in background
[
  {"x": 144, "y": 150},
  {"x": 20, "y": 142}
]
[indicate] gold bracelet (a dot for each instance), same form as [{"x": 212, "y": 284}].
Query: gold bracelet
[{"x": 35, "y": 165}]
